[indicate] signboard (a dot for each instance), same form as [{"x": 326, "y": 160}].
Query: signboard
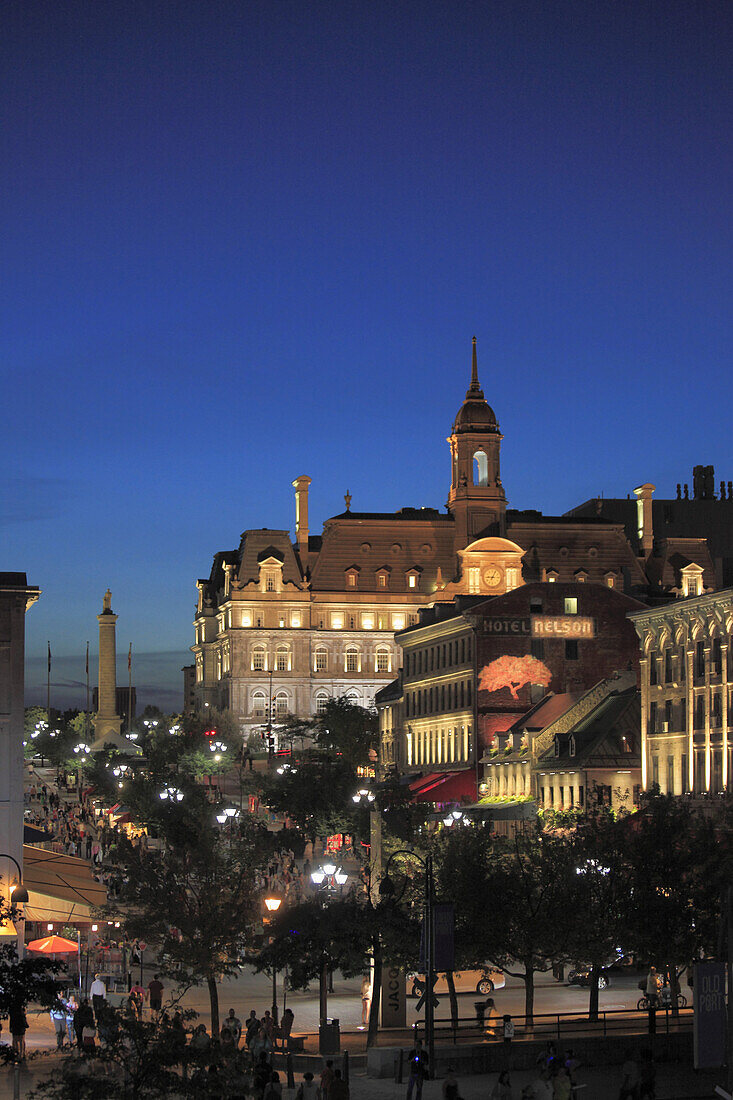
[
  {"x": 394, "y": 1000},
  {"x": 563, "y": 626},
  {"x": 507, "y": 627},
  {"x": 710, "y": 1017}
]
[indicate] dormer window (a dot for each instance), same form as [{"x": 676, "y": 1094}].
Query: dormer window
[
  {"x": 352, "y": 577},
  {"x": 413, "y": 578},
  {"x": 691, "y": 580},
  {"x": 383, "y": 578},
  {"x": 571, "y": 744},
  {"x": 610, "y": 579},
  {"x": 551, "y": 576},
  {"x": 581, "y": 576},
  {"x": 557, "y": 746}
]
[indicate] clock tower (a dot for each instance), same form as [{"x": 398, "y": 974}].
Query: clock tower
[{"x": 476, "y": 499}]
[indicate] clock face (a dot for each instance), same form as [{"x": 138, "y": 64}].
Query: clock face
[{"x": 493, "y": 576}]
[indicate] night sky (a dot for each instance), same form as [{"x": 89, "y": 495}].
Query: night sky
[{"x": 246, "y": 241}]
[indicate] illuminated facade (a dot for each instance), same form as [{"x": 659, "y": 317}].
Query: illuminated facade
[
  {"x": 282, "y": 625},
  {"x": 686, "y": 694}
]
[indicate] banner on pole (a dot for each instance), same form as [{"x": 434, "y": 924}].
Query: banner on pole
[{"x": 709, "y": 1024}]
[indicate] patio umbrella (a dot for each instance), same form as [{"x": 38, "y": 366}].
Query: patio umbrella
[{"x": 53, "y": 945}]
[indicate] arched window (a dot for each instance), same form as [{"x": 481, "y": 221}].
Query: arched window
[
  {"x": 480, "y": 469},
  {"x": 321, "y": 702},
  {"x": 382, "y": 662},
  {"x": 352, "y": 660},
  {"x": 354, "y": 697},
  {"x": 281, "y": 704},
  {"x": 282, "y": 659},
  {"x": 259, "y": 705},
  {"x": 259, "y": 658},
  {"x": 321, "y": 659}
]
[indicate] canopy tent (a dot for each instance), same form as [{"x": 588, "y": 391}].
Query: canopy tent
[
  {"x": 442, "y": 787},
  {"x": 53, "y": 945},
  {"x": 60, "y": 888}
]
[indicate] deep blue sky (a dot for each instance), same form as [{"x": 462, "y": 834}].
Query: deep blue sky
[{"x": 243, "y": 241}]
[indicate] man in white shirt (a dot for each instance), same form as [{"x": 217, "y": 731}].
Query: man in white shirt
[{"x": 99, "y": 993}]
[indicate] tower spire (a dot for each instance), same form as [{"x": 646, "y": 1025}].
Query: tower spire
[{"x": 474, "y": 391}]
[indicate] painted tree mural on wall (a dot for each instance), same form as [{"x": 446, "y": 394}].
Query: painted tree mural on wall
[{"x": 513, "y": 673}]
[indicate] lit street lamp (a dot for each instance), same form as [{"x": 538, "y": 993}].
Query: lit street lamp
[
  {"x": 272, "y": 904},
  {"x": 363, "y": 796},
  {"x": 327, "y": 878},
  {"x": 171, "y": 794}
]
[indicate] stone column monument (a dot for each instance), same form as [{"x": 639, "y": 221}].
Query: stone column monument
[{"x": 107, "y": 723}]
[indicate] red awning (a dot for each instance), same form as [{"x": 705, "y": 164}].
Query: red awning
[{"x": 442, "y": 787}]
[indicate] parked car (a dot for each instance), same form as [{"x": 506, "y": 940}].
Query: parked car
[
  {"x": 581, "y": 976},
  {"x": 483, "y": 981}
]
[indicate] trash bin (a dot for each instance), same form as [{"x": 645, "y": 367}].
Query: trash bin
[{"x": 329, "y": 1037}]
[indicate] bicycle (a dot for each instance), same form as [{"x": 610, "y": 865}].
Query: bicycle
[{"x": 644, "y": 1004}]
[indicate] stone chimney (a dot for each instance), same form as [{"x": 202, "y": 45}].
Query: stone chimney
[
  {"x": 645, "y": 528},
  {"x": 301, "y": 513}
]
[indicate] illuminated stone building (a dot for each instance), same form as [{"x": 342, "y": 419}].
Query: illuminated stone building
[
  {"x": 283, "y": 625},
  {"x": 486, "y": 664},
  {"x": 16, "y": 596},
  {"x": 686, "y": 694}
]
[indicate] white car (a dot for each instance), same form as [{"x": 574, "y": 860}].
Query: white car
[{"x": 482, "y": 981}]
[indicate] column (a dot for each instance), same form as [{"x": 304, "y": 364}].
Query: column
[
  {"x": 708, "y": 750},
  {"x": 644, "y": 669},
  {"x": 724, "y": 709},
  {"x": 690, "y": 657}
]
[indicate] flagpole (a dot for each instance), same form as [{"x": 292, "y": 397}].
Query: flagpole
[
  {"x": 87, "y": 721},
  {"x": 129, "y": 688},
  {"x": 48, "y": 686}
]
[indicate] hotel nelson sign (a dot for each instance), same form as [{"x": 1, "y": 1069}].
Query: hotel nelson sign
[{"x": 561, "y": 627}]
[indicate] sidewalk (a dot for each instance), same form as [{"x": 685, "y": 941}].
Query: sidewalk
[{"x": 674, "y": 1082}]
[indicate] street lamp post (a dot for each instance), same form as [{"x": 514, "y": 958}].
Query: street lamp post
[
  {"x": 272, "y": 904},
  {"x": 386, "y": 890},
  {"x": 327, "y": 878},
  {"x": 17, "y": 895}
]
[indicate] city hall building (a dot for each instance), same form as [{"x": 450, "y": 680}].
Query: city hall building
[{"x": 283, "y": 625}]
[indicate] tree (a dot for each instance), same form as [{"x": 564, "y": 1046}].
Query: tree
[
  {"x": 680, "y": 861},
  {"x": 197, "y": 897},
  {"x": 23, "y": 981},
  {"x": 598, "y": 902},
  {"x": 347, "y": 731},
  {"x": 316, "y": 795},
  {"x": 138, "y": 1060},
  {"x": 513, "y": 673},
  {"x": 528, "y": 880}
]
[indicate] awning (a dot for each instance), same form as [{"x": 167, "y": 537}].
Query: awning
[
  {"x": 60, "y": 888},
  {"x": 442, "y": 787}
]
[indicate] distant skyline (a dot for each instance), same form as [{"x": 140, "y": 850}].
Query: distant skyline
[{"x": 244, "y": 242}]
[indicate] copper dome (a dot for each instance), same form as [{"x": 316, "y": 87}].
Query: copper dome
[{"x": 475, "y": 414}]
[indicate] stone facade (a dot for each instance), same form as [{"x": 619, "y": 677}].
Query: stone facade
[
  {"x": 16, "y": 596},
  {"x": 283, "y": 625},
  {"x": 686, "y": 694}
]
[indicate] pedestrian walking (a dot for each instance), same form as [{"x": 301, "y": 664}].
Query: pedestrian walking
[
  {"x": 308, "y": 1089},
  {"x": 502, "y": 1090},
  {"x": 629, "y": 1078},
  {"x": 99, "y": 993},
  {"x": 327, "y": 1079},
  {"x": 235, "y": 1026},
  {"x": 366, "y": 997},
  {"x": 155, "y": 992},
  {"x": 418, "y": 1062},
  {"x": 71, "y": 1004},
  {"x": 58, "y": 1019}
]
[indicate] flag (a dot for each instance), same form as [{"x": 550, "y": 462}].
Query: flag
[
  {"x": 49, "y": 656},
  {"x": 129, "y": 658}
]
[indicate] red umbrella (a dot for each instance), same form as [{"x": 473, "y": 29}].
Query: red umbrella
[{"x": 53, "y": 945}]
